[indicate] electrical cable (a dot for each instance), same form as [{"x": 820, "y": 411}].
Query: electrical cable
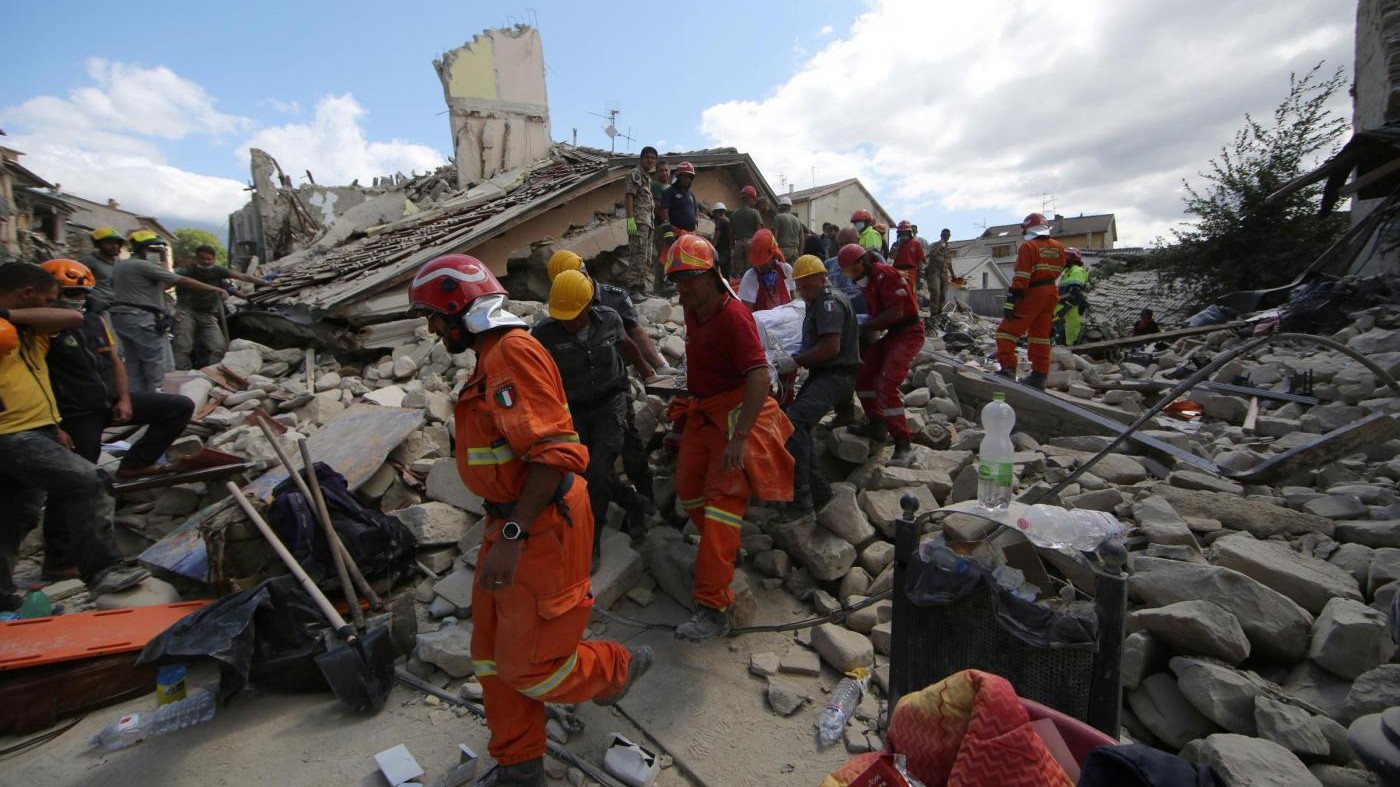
[
  {"x": 40, "y": 739},
  {"x": 734, "y": 632}
]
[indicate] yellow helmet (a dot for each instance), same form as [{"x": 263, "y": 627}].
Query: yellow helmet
[
  {"x": 569, "y": 295},
  {"x": 142, "y": 238},
  {"x": 807, "y": 265},
  {"x": 106, "y": 233},
  {"x": 564, "y": 260}
]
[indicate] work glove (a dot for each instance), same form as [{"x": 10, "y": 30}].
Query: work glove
[
  {"x": 1008, "y": 309},
  {"x": 631, "y": 225},
  {"x": 785, "y": 364}
]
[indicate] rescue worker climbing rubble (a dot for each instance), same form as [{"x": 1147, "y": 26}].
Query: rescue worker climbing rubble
[
  {"x": 732, "y": 432},
  {"x": 1069, "y": 317},
  {"x": 885, "y": 360},
  {"x": 517, "y": 449},
  {"x": 1030, "y": 303},
  {"x": 909, "y": 255}
]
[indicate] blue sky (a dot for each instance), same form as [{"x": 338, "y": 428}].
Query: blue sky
[{"x": 954, "y": 113}]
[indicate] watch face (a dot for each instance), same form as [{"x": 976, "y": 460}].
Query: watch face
[{"x": 511, "y": 531}]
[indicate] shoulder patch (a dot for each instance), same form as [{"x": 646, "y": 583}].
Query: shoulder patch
[
  {"x": 830, "y": 305},
  {"x": 504, "y": 396},
  {"x": 1050, "y": 251}
]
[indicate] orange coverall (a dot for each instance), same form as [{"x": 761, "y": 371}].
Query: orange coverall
[
  {"x": 525, "y": 637},
  {"x": 1038, "y": 267}
]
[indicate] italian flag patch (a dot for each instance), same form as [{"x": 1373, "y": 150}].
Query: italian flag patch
[{"x": 505, "y": 396}]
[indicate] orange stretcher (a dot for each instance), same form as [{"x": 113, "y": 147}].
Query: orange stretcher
[{"x": 51, "y": 640}]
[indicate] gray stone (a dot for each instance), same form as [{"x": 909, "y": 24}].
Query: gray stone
[
  {"x": 1160, "y": 706},
  {"x": 798, "y": 661},
  {"x": 826, "y": 555},
  {"x": 448, "y": 648},
  {"x": 435, "y": 524},
  {"x": 785, "y": 697},
  {"x": 1260, "y": 519},
  {"x": 855, "y": 583},
  {"x": 773, "y": 563},
  {"x": 876, "y": 556},
  {"x": 824, "y": 603},
  {"x": 1222, "y": 694},
  {"x": 1143, "y": 655},
  {"x": 1310, "y": 683},
  {"x": 243, "y": 363},
  {"x": 1374, "y": 691},
  {"x": 328, "y": 381},
  {"x": 1305, "y": 579},
  {"x": 882, "y": 637},
  {"x": 865, "y": 620},
  {"x": 1289, "y": 726},
  {"x": 1242, "y": 761},
  {"x": 1231, "y": 409},
  {"x": 1375, "y": 341},
  {"x": 1385, "y": 568},
  {"x": 1200, "y": 482},
  {"x": 404, "y": 366},
  {"x": 848, "y": 447},
  {"x": 620, "y": 568},
  {"x": 389, "y": 396},
  {"x": 843, "y": 516},
  {"x": 1337, "y": 507},
  {"x": 1350, "y": 638},
  {"x": 1195, "y": 628},
  {"x": 149, "y": 592},
  {"x": 1355, "y": 559},
  {"x": 1278, "y": 629},
  {"x": 883, "y": 508},
  {"x": 1376, "y": 534},
  {"x": 1341, "y": 776},
  {"x": 764, "y": 665},
  {"x": 456, "y": 588},
  {"x": 1101, "y": 500},
  {"x": 842, "y": 648},
  {"x": 445, "y": 485}
]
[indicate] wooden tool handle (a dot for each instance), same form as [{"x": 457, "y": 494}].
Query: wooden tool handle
[{"x": 332, "y": 538}]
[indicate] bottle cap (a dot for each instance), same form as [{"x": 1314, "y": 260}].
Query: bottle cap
[{"x": 999, "y": 396}]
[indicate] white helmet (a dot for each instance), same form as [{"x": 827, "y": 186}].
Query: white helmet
[
  {"x": 785, "y": 200},
  {"x": 719, "y": 206}
]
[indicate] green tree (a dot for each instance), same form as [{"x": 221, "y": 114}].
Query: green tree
[
  {"x": 1240, "y": 240},
  {"x": 187, "y": 239}
]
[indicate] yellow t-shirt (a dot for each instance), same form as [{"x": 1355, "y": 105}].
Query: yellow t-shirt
[{"x": 25, "y": 393}]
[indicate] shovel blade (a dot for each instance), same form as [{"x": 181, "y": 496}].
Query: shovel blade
[{"x": 361, "y": 675}]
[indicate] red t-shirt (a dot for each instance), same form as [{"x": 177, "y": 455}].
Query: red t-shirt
[
  {"x": 910, "y": 254},
  {"x": 720, "y": 350},
  {"x": 887, "y": 288}
]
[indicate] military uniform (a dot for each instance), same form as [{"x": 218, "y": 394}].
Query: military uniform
[
  {"x": 641, "y": 247},
  {"x": 939, "y": 274}
]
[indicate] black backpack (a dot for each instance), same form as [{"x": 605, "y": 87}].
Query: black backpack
[{"x": 379, "y": 543}]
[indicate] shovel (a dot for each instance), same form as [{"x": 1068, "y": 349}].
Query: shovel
[{"x": 360, "y": 672}]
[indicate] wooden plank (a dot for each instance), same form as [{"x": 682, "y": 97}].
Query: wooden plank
[
  {"x": 1251, "y": 418},
  {"x": 1179, "y": 333},
  {"x": 1373, "y": 429},
  {"x": 355, "y": 443}
]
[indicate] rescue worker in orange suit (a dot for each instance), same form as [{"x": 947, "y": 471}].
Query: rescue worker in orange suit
[
  {"x": 1030, "y": 304},
  {"x": 885, "y": 360},
  {"x": 517, "y": 449},
  {"x": 732, "y": 432},
  {"x": 909, "y": 256}
]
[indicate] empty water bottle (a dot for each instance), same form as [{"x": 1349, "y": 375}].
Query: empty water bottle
[
  {"x": 1053, "y": 527},
  {"x": 995, "y": 469},
  {"x": 843, "y": 703},
  {"x": 196, "y": 708}
]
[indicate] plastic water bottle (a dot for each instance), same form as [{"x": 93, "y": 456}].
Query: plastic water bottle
[
  {"x": 843, "y": 703},
  {"x": 1057, "y": 528},
  {"x": 995, "y": 471},
  {"x": 132, "y": 728}
]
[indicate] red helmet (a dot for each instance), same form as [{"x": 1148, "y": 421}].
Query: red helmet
[
  {"x": 764, "y": 248},
  {"x": 9, "y": 337},
  {"x": 690, "y": 252},
  {"x": 849, "y": 254},
  {"x": 1033, "y": 220},
  {"x": 70, "y": 273},
  {"x": 684, "y": 168},
  {"x": 451, "y": 283},
  {"x": 862, "y": 215},
  {"x": 904, "y": 226},
  {"x": 1073, "y": 254},
  {"x": 749, "y": 191}
]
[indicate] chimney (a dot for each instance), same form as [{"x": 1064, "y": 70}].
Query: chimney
[
  {"x": 1058, "y": 217},
  {"x": 495, "y": 92},
  {"x": 111, "y": 203}
]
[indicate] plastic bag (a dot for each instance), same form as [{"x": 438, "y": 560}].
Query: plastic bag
[{"x": 941, "y": 576}]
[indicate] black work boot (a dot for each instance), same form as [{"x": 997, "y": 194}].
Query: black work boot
[
  {"x": 522, "y": 774},
  {"x": 1009, "y": 374},
  {"x": 1034, "y": 380},
  {"x": 705, "y": 624},
  {"x": 903, "y": 453},
  {"x": 872, "y": 429},
  {"x": 637, "y": 666},
  {"x": 636, "y": 516}
]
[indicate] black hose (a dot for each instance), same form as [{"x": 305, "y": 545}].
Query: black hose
[{"x": 734, "y": 632}]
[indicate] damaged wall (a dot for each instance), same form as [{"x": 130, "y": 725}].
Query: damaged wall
[
  {"x": 1377, "y": 102},
  {"x": 495, "y": 92}
]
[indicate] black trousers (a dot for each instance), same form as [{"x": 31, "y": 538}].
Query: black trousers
[
  {"x": 823, "y": 390},
  {"x": 600, "y": 427},
  {"x": 634, "y": 456}
]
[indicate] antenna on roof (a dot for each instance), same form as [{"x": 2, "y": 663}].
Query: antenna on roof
[
  {"x": 611, "y": 128},
  {"x": 1048, "y": 203}
]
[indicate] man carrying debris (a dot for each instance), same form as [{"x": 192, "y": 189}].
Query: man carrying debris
[
  {"x": 138, "y": 309},
  {"x": 787, "y": 228},
  {"x": 831, "y": 353},
  {"x": 885, "y": 361},
  {"x": 90, "y": 386},
  {"x": 517, "y": 449},
  {"x": 939, "y": 272},
  {"x": 1030, "y": 304},
  {"x": 103, "y": 260},
  {"x": 1070, "y": 314},
  {"x": 732, "y": 432},
  {"x": 641, "y": 245},
  {"x": 36, "y": 460},
  {"x": 587, "y": 343},
  {"x": 199, "y": 315},
  {"x": 745, "y": 223}
]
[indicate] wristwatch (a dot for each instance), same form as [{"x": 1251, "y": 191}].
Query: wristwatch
[{"x": 512, "y": 531}]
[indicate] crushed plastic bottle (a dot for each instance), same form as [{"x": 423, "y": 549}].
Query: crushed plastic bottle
[
  {"x": 1053, "y": 527},
  {"x": 36, "y": 605},
  {"x": 843, "y": 703},
  {"x": 132, "y": 728},
  {"x": 996, "y": 473}
]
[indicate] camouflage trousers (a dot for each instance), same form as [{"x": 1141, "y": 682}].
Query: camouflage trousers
[{"x": 638, "y": 277}]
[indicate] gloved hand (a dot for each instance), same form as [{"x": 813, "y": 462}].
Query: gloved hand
[
  {"x": 785, "y": 364},
  {"x": 667, "y": 371},
  {"x": 1008, "y": 309},
  {"x": 631, "y": 225}
]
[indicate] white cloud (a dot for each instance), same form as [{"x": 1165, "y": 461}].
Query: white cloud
[
  {"x": 1106, "y": 105},
  {"x": 826, "y": 30},
  {"x": 333, "y": 146},
  {"x": 285, "y": 107}
]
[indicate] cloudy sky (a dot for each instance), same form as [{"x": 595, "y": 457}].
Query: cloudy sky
[{"x": 955, "y": 114}]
